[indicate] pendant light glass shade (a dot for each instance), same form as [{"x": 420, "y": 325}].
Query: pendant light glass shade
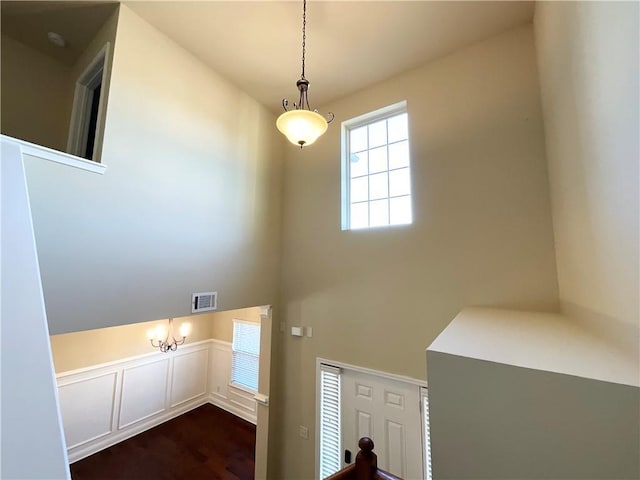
[{"x": 301, "y": 127}]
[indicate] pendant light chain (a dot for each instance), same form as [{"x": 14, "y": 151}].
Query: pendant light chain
[
  {"x": 304, "y": 34},
  {"x": 301, "y": 125}
]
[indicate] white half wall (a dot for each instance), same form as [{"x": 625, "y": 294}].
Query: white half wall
[
  {"x": 495, "y": 421},
  {"x": 31, "y": 425},
  {"x": 527, "y": 395}
]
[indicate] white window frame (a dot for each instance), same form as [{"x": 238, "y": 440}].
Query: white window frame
[
  {"x": 347, "y": 126},
  {"x": 426, "y": 435},
  {"x": 233, "y": 353}
]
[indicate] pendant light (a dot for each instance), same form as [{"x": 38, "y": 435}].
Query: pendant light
[{"x": 302, "y": 126}]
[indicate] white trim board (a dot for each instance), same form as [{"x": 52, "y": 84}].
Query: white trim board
[
  {"x": 45, "y": 153},
  {"x": 370, "y": 371}
]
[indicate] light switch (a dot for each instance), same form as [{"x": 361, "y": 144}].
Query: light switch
[
  {"x": 309, "y": 331},
  {"x": 297, "y": 331}
]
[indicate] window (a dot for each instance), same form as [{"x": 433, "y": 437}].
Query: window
[
  {"x": 330, "y": 431},
  {"x": 245, "y": 355},
  {"x": 376, "y": 183}
]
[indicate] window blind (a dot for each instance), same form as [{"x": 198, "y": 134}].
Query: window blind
[
  {"x": 330, "y": 435},
  {"x": 425, "y": 428},
  {"x": 245, "y": 354}
]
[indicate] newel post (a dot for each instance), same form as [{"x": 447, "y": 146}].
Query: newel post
[{"x": 366, "y": 460}]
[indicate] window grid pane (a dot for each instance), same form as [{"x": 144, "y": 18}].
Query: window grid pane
[
  {"x": 378, "y": 186},
  {"x": 379, "y": 159},
  {"x": 359, "y": 215},
  {"x": 359, "y": 164}
]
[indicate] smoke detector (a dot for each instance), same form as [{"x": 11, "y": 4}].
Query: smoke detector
[{"x": 56, "y": 39}]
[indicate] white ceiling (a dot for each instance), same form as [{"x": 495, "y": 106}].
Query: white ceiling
[
  {"x": 350, "y": 45},
  {"x": 77, "y": 22},
  {"x": 257, "y": 44}
]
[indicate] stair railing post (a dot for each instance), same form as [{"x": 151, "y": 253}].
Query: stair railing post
[{"x": 366, "y": 460}]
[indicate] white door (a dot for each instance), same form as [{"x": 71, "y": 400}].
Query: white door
[{"x": 387, "y": 411}]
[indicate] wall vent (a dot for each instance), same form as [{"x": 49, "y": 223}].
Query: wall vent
[{"x": 203, "y": 302}]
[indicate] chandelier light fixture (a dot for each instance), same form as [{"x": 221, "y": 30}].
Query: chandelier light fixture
[
  {"x": 165, "y": 339},
  {"x": 301, "y": 125}
]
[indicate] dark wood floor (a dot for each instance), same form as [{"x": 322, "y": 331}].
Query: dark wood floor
[{"x": 205, "y": 443}]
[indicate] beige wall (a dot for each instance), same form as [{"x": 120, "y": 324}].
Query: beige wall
[
  {"x": 481, "y": 235},
  {"x": 38, "y": 91},
  {"x": 222, "y": 322},
  {"x": 36, "y": 102},
  {"x": 91, "y": 347},
  {"x": 588, "y": 54},
  {"x": 189, "y": 203}
]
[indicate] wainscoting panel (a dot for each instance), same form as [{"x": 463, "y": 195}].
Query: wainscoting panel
[
  {"x": 222, "y": 393},
  {"x": 242, "y": 399},
  {"x": 189, "y": 379},
  {"x": 105, "y": 404},
  {"x": 87, "y": 408},
  {"x": 144, "y": 390},
  {"x": 220, "y": 369}
]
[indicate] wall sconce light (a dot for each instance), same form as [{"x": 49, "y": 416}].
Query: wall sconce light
[{"x": 159, "y": 336}]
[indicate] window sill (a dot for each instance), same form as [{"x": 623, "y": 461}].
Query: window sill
[{"x": 242, "y": 388}]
